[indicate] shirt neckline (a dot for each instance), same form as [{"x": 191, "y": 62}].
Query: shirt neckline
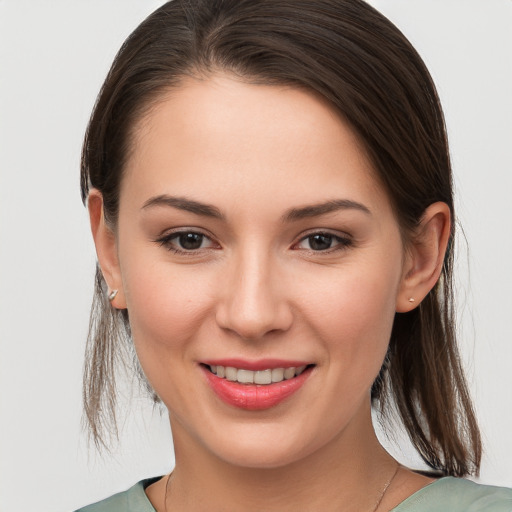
[
  {"x": 419, "y": 493},
  {"x": 144, "y": 484}
]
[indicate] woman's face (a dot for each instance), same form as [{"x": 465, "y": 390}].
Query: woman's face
[{"x": 254, "y": 236}]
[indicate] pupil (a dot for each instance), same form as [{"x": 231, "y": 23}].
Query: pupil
[
  {"x": 190, "y": 241},
  {"x": 320, "y": 242}
]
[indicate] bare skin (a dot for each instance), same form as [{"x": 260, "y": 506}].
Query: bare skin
[
  {"x": 242, "y": 491},
  {"x": 265, "y": 165}
]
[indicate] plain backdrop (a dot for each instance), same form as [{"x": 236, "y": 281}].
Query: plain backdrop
[{"x": 54, "y": 55}]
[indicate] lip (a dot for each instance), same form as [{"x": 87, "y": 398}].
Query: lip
[{"x": 254, "y": 397}]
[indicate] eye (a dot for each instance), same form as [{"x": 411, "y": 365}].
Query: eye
[
  {"x": 323, "y": 242},
  {"x": 186, "y": 241}
]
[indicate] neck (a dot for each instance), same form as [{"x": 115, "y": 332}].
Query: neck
[{"x": 347, "y": 474}]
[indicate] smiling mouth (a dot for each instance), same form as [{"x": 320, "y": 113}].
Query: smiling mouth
[
  {"x": 260, "y": 388},
  {"x": 260, "y": 377}
]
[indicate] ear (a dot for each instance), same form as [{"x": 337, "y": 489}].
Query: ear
[
  {"x": 106, "y": 248},
  {"x": 425, "y": 257}
]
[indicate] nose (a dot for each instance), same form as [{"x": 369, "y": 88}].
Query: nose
[{"x": 253, "y": 297}]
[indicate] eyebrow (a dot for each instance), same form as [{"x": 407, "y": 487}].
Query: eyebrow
[
  {"x": 182, "y": 203},
  {"x": 294, "y": 214},
  {"x": 315, "y": 210}
]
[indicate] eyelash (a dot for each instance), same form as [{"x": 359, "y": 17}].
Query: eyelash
[
  {"x": 167, "y": 240},
  {"x": 341, "y": 242}
]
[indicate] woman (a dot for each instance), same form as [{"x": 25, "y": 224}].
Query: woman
[{"x": 270, "y": 197}]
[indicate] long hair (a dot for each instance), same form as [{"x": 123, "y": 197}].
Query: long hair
[{"x": 357, "y": 60}]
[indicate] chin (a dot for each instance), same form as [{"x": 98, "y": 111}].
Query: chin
[
  {"x": 265, "y": 448},
  {"x": 258, "y": 458}
]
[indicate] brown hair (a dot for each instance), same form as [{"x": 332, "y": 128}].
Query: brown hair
[{"x": 368, "y": 71}]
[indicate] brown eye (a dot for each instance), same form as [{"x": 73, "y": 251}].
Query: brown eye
[
  {"x": 190, "y": 241},
  {"x": 319, "y": 242},
  {"x": 186, "y": 242}
]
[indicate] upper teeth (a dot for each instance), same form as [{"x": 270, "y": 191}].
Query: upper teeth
[{"x": 258, "y": 377}]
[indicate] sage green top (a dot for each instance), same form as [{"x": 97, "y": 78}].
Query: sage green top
[{"x": 444, "y": 495}]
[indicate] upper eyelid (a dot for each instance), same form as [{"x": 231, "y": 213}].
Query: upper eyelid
[
  {"x": 169, "y": 233},
  {"x": 344, "y": 239},
  {"x": 169, "y": 242},
  {"x": 319, "y": 231}
]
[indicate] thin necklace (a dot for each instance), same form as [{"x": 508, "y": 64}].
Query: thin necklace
[
  {"x": 379, "y": 500},
  {"x": 167, "y": 488},
  {"x": 384, "y": 489}
]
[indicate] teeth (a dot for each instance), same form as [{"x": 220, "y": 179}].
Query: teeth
[
  {"x": 231, "y": 373},
  {"x": 299, "y": 369},
  {"x": 289, "y": 373},
  {"x": 245, "y": 377},
  {"x": 277, "y": 374},
  {"x": 261, "y": 377}
]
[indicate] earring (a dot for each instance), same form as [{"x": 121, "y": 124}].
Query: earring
[
  {"x": 112, "y": 295},
  {"x": 410, "y": 300}
]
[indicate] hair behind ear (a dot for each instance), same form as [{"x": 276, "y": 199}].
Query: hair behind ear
[
  {"x": 108, "y": 334},
  {"x": 424, "y": 379}
]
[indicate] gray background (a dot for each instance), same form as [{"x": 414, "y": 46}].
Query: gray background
[{"x": 53, "y": 58}]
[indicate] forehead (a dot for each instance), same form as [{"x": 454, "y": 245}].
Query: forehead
[{"x": 220, "y": 133}]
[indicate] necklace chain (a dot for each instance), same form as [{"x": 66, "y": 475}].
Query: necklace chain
[
  {"x": 379, "y": 500},
  {"x": 384, "y": 489}
]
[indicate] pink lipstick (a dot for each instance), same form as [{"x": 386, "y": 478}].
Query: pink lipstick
[{"x": 255, "y": 385}]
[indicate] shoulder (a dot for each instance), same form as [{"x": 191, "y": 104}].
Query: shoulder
[
  {"x": 132, "y": 500},
  {"x": 458, "y": 495}
]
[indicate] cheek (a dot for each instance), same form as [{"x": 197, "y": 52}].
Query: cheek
[
  {"x": 356, "y": 295},
  {"x": 353, "y": 312},
  {"x": 165, "y": 308},
  {"x": 165, "y": 303}
]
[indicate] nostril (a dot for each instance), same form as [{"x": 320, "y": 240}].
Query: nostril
[{"x": 254, "y": 321}]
